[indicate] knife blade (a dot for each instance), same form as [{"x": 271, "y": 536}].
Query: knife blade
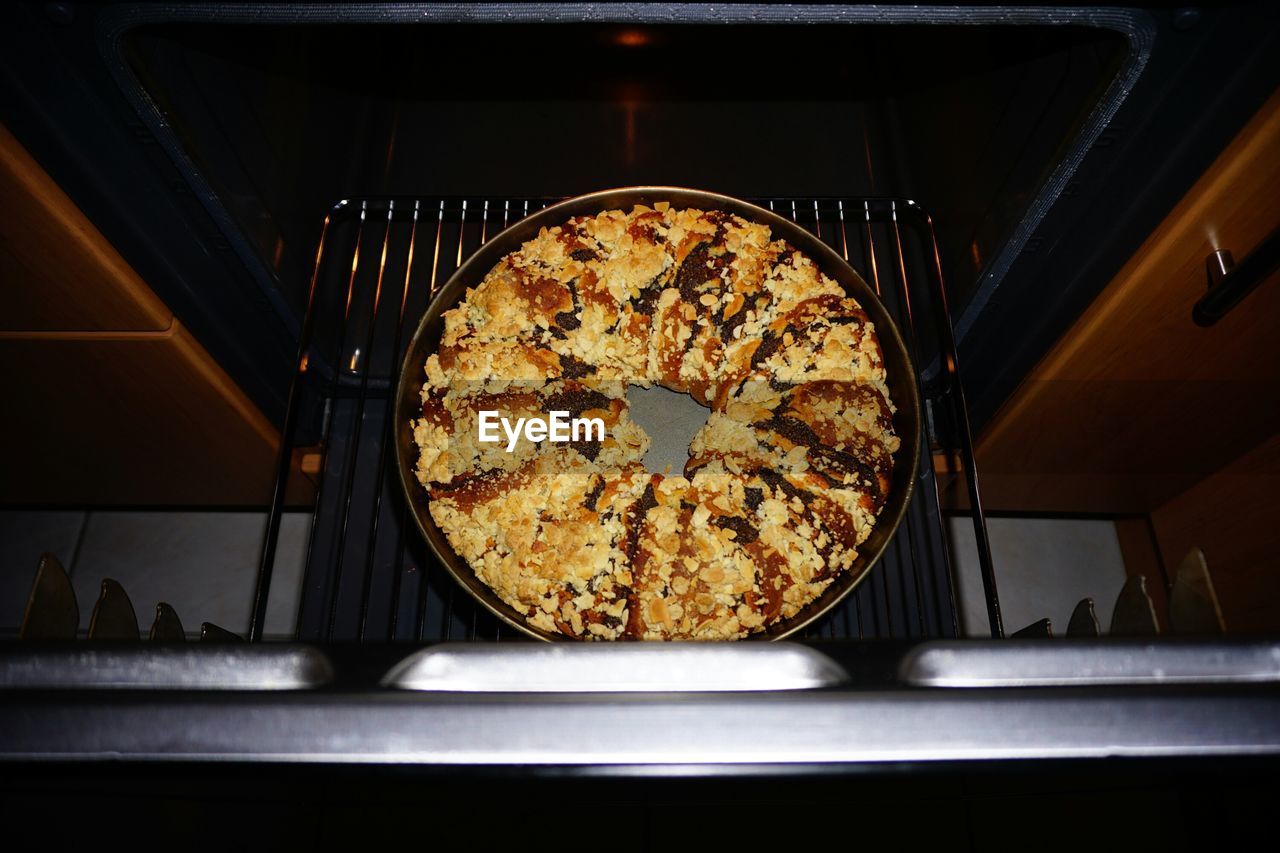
[
  {"x": 1193, "y": 603},
  {"x": 1041, "y": 629},
  {"x": 211, "y": 633},
  {"x": 52, "y": 610},
  {"x": 167, "y": 627},
  {"x": 113, "y": 616},
  {"x": 1084, "y": 621},
  {"x": 1134, "y": 616}
]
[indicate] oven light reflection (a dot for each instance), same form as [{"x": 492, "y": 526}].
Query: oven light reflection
[{"x": 632, "y": 38}]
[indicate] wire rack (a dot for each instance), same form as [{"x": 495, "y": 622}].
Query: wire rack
[{"x": 370, "y": 577}]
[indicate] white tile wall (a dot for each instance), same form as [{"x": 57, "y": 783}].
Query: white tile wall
[{"x": 1043, "y": 567}]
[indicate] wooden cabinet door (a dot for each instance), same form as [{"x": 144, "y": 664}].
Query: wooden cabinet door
[
  {"x": 1136, "y": 403},
  {"x": 108, "y": 399}
]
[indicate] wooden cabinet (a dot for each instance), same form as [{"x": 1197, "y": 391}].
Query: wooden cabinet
[
  {"x": 57, "y": 273},
  {"x": 1136, "y": 404},
  {"x": 1137, "y": 410},
  {"x": 108, "y": 399}
]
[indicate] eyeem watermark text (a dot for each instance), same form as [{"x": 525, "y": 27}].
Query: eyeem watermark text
[{"x": 557, "y": 426}]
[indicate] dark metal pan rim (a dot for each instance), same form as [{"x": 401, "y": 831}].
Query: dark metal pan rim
[{"x": 902, "y": 383}]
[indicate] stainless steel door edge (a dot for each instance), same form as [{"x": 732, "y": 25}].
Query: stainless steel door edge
[{"x": 708, "y": 732}]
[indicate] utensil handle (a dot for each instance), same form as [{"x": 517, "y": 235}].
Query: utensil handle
[{"x": 1229, "y": 282}]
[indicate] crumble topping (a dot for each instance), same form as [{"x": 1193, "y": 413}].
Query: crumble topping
[{"x": 784, "y": 481}]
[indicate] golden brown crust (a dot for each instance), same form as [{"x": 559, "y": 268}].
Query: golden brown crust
[{"x": 784, "y": 481}]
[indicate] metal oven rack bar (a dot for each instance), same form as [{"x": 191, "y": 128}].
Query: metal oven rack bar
[{"x": 368, "y": 575}]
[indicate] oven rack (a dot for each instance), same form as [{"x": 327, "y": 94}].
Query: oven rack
[{"x": 368, "y": 574}]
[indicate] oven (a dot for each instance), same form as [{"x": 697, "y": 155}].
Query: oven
[{"x": 222, "y": 224}]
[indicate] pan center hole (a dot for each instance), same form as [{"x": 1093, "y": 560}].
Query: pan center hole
[{"x": 671, "y": 420}]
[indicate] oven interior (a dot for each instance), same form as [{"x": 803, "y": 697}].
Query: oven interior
[
  {"x": 339, "y": 170},
  {"x": 285, "y": 121}
]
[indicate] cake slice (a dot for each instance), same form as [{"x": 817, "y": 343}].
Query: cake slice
[{"x": 548, "y": 538}]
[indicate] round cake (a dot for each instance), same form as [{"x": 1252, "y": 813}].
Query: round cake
[{"x": 783, "y": 483}]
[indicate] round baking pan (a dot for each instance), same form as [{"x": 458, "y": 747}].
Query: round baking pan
[{"x": 901, "y": 382}]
